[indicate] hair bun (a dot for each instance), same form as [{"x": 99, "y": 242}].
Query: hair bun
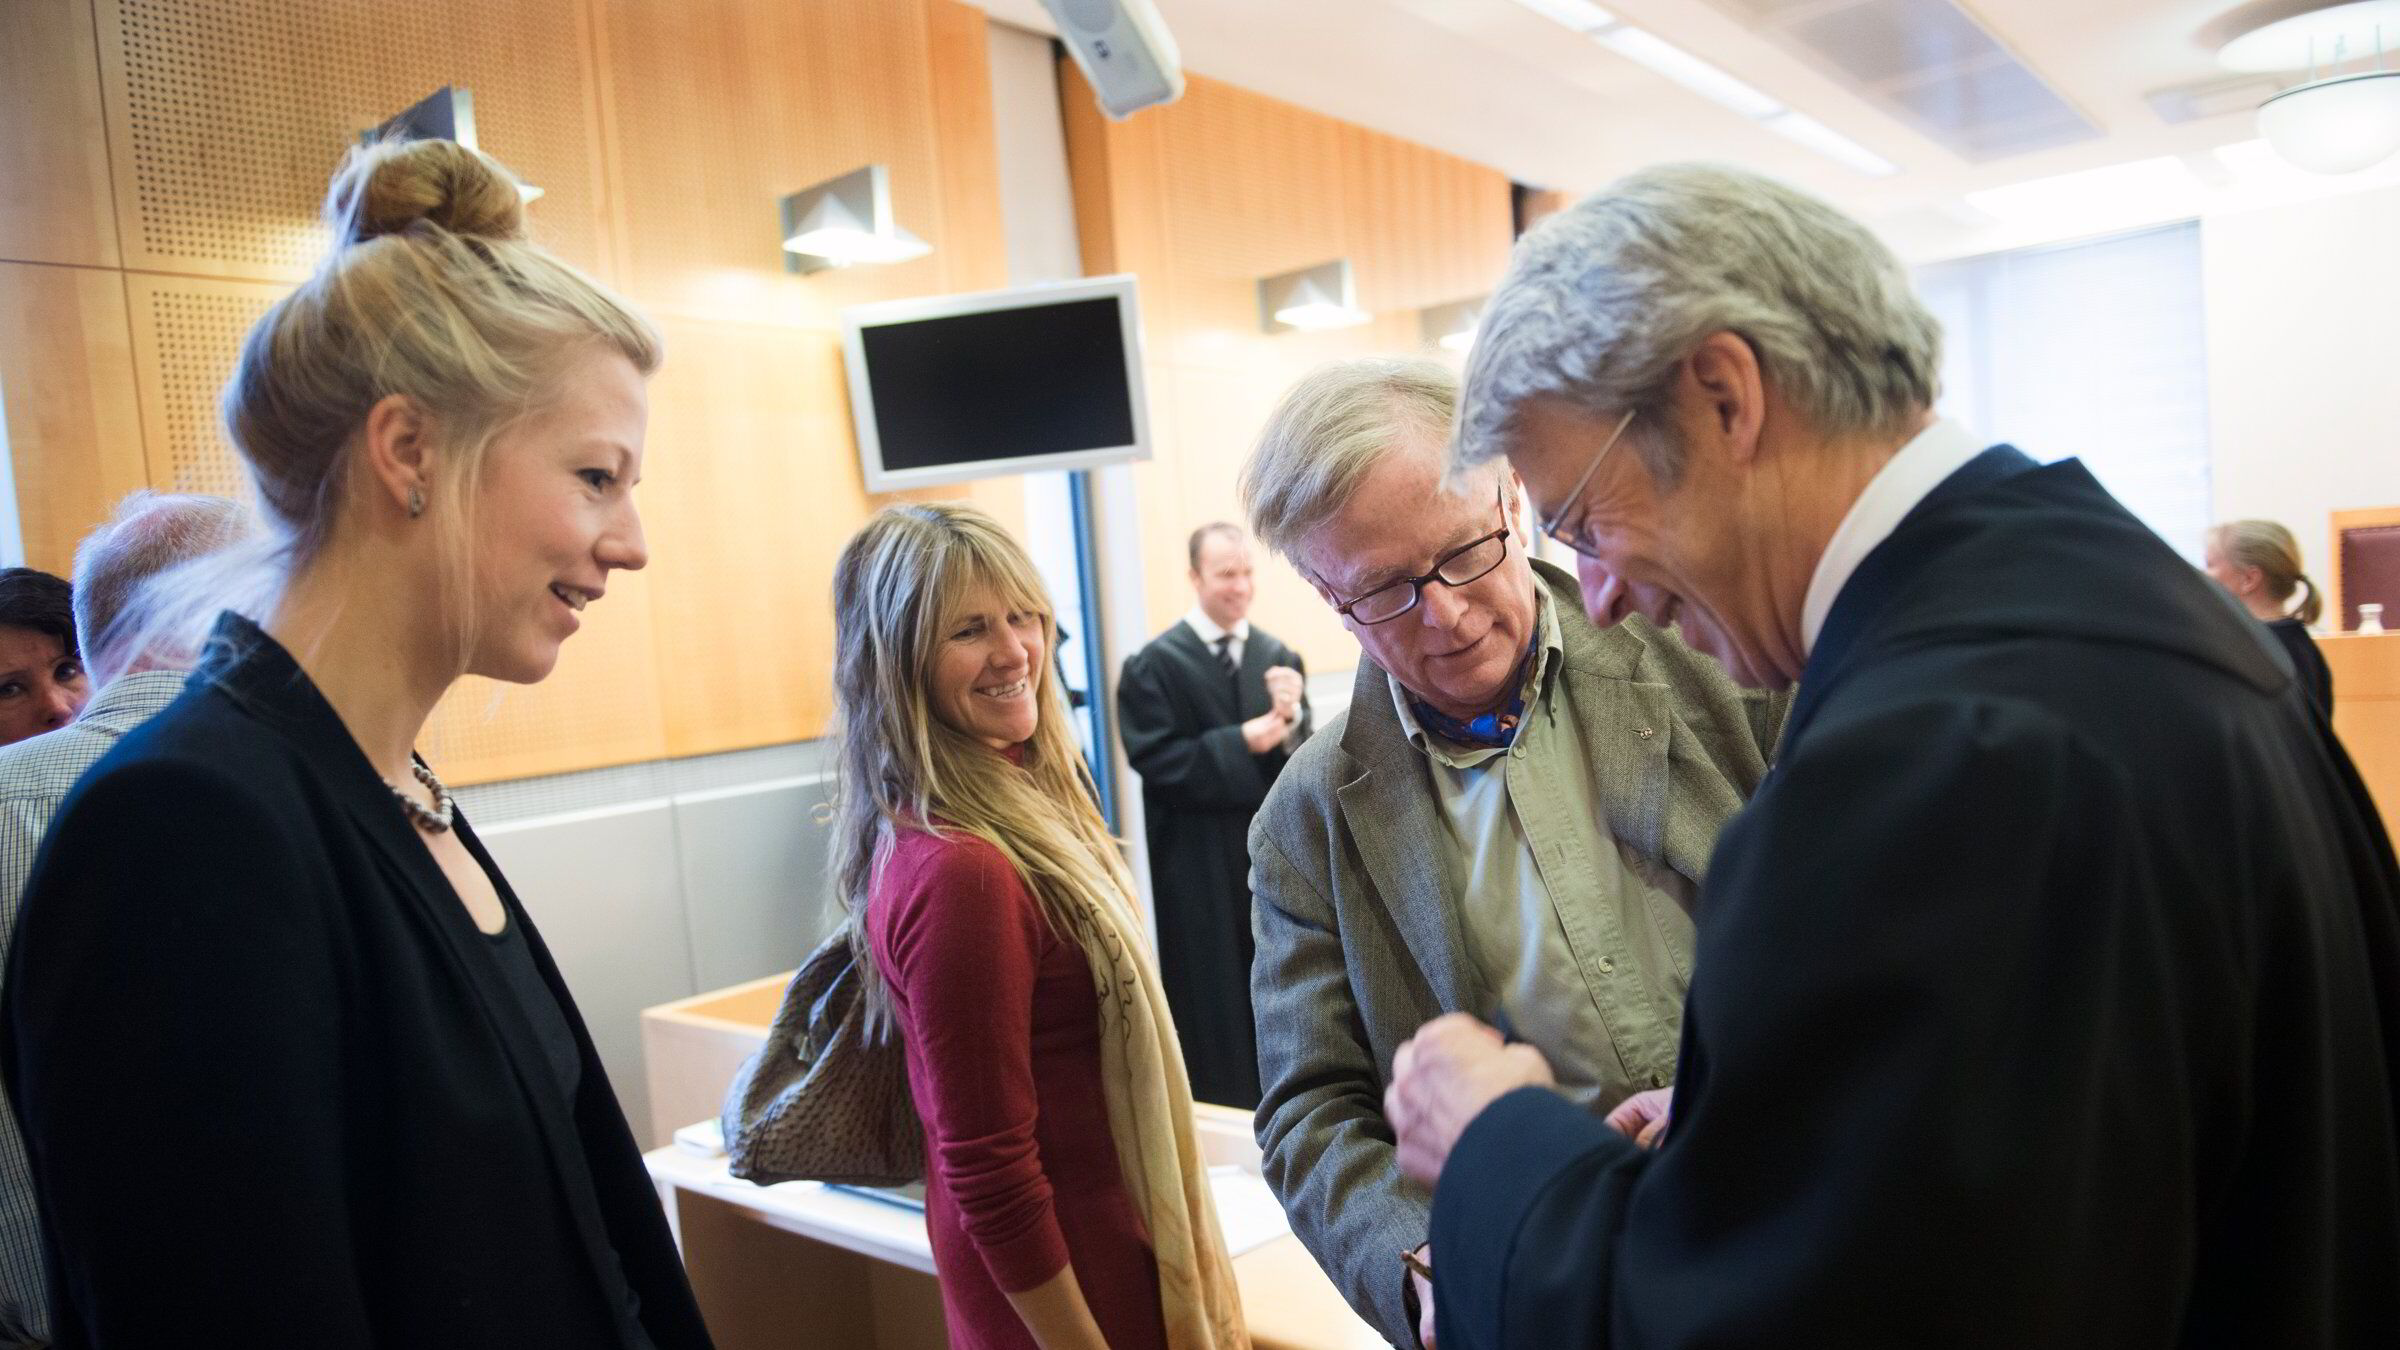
[{"x": 388, "y": 187}]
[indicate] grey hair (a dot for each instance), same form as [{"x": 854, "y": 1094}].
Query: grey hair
[
  {"x": 151, "y": 533},
  {"x": 1340, "y": 421},
  {"x": 1603, "y": 301}
]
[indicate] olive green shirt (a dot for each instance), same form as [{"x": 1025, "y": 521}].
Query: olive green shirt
[{"x": 1587, "y": 943}]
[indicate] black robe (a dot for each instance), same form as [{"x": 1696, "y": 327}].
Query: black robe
[
  {"x": 1181, "y": 718},
  {"x": 2047, "y": 994}
]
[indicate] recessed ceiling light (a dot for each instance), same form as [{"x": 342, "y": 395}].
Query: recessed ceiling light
[
  {"x": 1581, "y": 15},
  {"x": 1832, "y": 144},
  {"x": 1690, "y": 71}
]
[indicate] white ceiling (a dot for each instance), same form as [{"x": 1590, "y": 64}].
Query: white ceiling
[{"x": 1494, "y": 82}]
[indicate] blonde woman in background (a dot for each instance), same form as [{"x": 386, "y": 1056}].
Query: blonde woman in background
[
  {"x": 2259, "y": 561},
  {"x": 994, "y": 918},
  {"x": 293, "y": 1067}
]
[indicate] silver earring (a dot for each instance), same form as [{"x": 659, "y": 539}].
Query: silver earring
[{"x": 416, "y": 503}]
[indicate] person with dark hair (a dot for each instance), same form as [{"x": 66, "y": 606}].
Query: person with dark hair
[
  {"x": 42, "y": 684},
  {"x": 1210, "y": 710}
]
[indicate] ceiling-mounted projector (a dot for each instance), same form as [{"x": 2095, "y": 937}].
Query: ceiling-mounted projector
[{"x": 1124, "y": 49}]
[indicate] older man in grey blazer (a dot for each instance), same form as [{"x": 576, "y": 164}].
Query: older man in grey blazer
[{"x": 1510, "y": 819}]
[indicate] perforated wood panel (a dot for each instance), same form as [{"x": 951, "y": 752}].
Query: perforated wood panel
[
  {"x": 1203, "y": 197},
  {"x": 187, "y": 334},
  {"x": 229, "y": 116},
  {"x": 601, "y": 705},
  {"x": 220, "y": 121}
]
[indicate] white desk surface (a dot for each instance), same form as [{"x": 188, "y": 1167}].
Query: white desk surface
[{"x": 1286, "y": 1299}]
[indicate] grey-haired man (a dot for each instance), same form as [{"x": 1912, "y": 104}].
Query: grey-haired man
[
  {"x": 1509, "y": 820},
  {"x": 150, "y": 533}
]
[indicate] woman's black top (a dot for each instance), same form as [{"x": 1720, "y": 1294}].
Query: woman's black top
[
  {"x": 277, "y": 1090},
  {"x": 2316, "y": 678}
]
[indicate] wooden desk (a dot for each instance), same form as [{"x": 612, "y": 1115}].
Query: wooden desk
[
  {"x": 807, "y": 1265},
  {"x": 798, "y": 1268},
  {"x": 2366, "y": 712}
]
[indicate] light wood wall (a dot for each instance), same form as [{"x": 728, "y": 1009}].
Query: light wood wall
[
  {"x": 1203, "y": 197},
  {"x": 161, "y": 164}
]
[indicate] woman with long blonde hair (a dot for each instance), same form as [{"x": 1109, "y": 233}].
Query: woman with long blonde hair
[
  {"x": 994, "y": 919},
  {"x": 2259, "y": 562}
]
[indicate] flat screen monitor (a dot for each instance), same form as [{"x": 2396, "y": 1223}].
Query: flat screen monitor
[{"x": 959, "y": 387}]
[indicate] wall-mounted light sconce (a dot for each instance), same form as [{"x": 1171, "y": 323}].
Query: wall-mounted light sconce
[
  {"x": 1452, "y": 327},
  {"x": 1322, "y": 296},
  {"x": 846, "y": 220},
  {"x": 446, "y": 114}
]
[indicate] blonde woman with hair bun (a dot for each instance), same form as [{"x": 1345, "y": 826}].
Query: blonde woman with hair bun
[
  {"x": 294, "y": 1068},
  {"x": 995, "y": 922},
  {"x": 2258, "y": 561}
]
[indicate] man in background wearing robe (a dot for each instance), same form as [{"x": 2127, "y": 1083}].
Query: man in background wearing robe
[{"x": 1210, "y": 710}]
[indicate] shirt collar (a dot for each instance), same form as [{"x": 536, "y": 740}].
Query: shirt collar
[
  {"x": 1547, "y": 654},
  {"x": 1930, "y": 456},
  {"x": 1208, "y": 630},
  {"x": 130, "y": 700}
]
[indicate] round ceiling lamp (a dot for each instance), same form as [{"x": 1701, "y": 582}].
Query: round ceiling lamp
[
  {"x": 2277, "y": 35},
  {"x": 2336, "y": 120},
  {"x": 2340, "y": 125}
]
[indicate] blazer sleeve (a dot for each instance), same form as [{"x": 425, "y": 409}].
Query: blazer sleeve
[
  {"x": 1210, "y": 770},
  {"x": 175, "y": 1047},
  {"x": 1897, "y": 984},
  {"x": 965, "y": 944},
  {"x": 1328, "y": 1152}
]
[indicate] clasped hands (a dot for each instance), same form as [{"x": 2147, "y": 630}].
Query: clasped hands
[
  {"x": 1268, "y": 730},
  {"x": 1455, "y": 1066}
]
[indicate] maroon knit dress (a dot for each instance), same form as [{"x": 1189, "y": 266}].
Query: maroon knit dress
[{"x": 1003, "y": 1035}]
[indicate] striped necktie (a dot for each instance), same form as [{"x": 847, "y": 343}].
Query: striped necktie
[{"x": 1225, "y": 655}]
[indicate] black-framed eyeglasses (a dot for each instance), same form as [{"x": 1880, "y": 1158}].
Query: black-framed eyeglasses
[
  {"x": 1467, "y": 563},
  {"x": 1558, "y": 519}
]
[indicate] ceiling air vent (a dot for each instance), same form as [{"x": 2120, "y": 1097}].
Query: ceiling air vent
[{"x": 1928, "y": 63}]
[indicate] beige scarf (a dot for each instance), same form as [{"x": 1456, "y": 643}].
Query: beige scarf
[{"x": 1150, "y": 1119}]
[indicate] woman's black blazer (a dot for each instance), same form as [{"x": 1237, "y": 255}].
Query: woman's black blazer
[{"x": 273, "y": 1093}]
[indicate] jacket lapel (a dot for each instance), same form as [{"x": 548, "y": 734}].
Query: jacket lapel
[
  {"x": 1209, "y": 682},
  {"x": 1389, "y": 809},
  {"x": 273, "y": 688}
]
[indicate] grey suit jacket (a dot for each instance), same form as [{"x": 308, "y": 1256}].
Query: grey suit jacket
[{"x": 1358, "y": 945}]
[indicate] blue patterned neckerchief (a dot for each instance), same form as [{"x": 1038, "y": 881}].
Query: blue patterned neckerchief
[{"x": 1495, "y": 730}]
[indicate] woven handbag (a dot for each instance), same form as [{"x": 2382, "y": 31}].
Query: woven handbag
[{"x": 822, "y": 1100}]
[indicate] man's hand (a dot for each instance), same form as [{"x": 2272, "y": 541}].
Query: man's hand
[
  {"x": 1443, "y": 1078},
  {"x": 1284, "y": 686},
  {"x": 1264, "y": 732},
  {"x": 1642, "y": 1117}
]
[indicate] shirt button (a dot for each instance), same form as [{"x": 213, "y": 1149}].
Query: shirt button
[
  {"x": 1658, "y": 1080},
  {"x": 1607, "y": 966},
  {"x": 1517, "y": 751}
]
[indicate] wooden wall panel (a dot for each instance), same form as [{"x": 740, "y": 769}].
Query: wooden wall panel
[
  {"x": 602, "y": 705},
  {"x": 721, "y": 107},
  {"x": 67, "y": 382},
  {"x": 226, "y": 117},
  {"x": 189, "y": 142},
  {"x": 54, "y": 189},
  {"x": 745, "y": 515},
  {"x": 1201, "y": 199}
]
